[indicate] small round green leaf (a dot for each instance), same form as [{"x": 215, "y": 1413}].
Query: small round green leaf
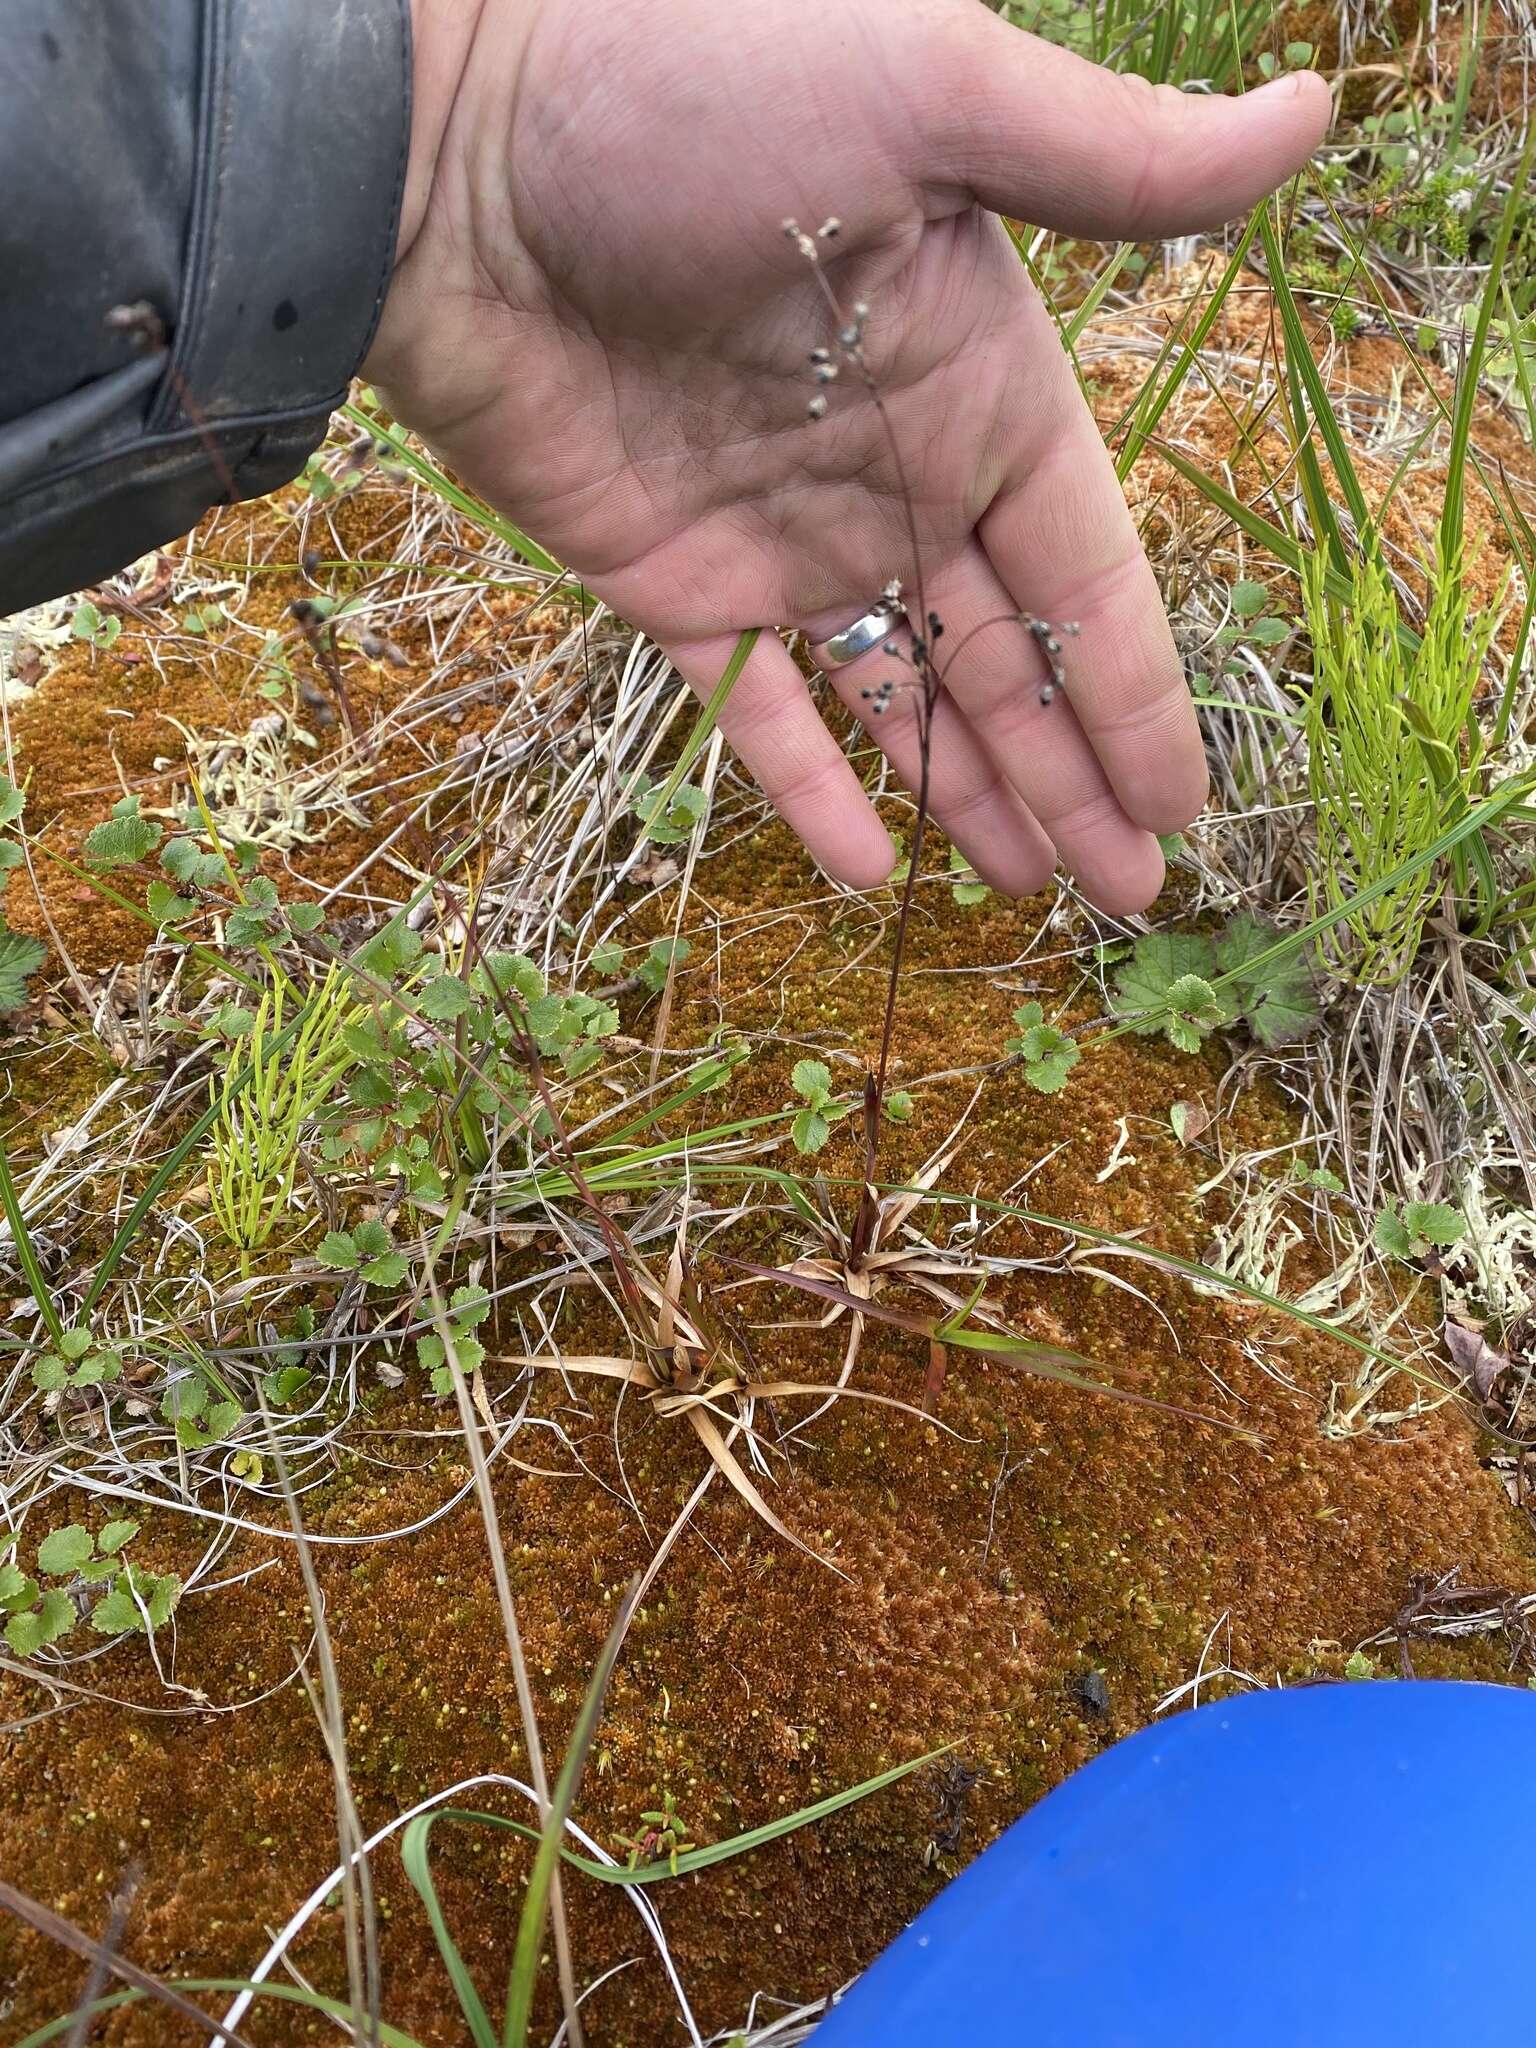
[{"x": 63, "y": 1551}]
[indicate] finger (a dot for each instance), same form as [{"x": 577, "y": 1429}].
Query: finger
[
  {"x": 770, "y": 721},
  {"x": 967, "y": 794},
  {"x": 1036, "y": 133},
  {"x": 993, "y": 672},
  {"x": 1066, "y": 549}
]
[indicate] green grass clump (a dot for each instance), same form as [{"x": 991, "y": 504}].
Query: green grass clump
[
  {"x": 1180, "y": 42},
  {"x": 1394, "y": 749}
]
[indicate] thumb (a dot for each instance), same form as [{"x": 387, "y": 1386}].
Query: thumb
[{"x": 1036, "y": 133}]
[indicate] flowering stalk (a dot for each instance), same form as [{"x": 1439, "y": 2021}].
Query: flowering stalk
[{"x": 926, "y": 683}]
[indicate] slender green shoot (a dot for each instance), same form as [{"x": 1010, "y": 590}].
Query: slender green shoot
[
  {"x": 1170, "y": 42},
  {"x": 530, "y": 1928},
  {"x": 256, "y": 1131},
  {"x": 1155, "y": 398},
  {"x": 708, "y": 718},
  {"x": 26, "y": 1250},
  {"x": 408, "y": 457},
  {"x": 286, "y": 1994},
  {"x": 416, "y": 1847},
  {"x": 1393, "y": 751}
]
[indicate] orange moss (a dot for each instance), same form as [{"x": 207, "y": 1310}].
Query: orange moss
[
  {"x": 1048, "y": 1534},
  {"x": 1409, "y": 53},
  {"x": 109, "y": 723}
]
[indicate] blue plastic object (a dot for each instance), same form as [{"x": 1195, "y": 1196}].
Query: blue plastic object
[{"x": 1337, "y": 1866}]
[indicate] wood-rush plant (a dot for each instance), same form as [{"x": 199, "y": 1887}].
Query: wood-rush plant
[
  {"x": 850, "y": 1267},
  {"x": 922, "y": 682}
]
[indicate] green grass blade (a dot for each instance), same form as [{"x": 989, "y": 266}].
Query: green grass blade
[
  {"x": 1072, "y": 327},
  {"x": 1451, "y": 518},
  {"x": 1480, "y": 859},
  {"x": 1473, "y": 31},
  {"x": 703, "y": 1083},
  {"x": 1521, "y": 362},
  {"x": 1310, "y": 398},
  {"x": 1207, "y": 1276},
  {"x": 775, "y": 1830},
  {"x": 1246, "y": 710},
  {"x": 288, "y": 1994},
  {"x": 530, "y": 1928},
  {"x": 1146, "y": 421},
  {"x": 1263, "y": 532},
  {"x": 415, "y": 1849},
  {"x": 443, "y": 486},
  {"x": 693, "y": 1860},
  {"x": 26, "y": 1251},
  {"x": 1522, "y": 638},
  {"x": 706, "y": 721},
  {"x": 1516, "y": 528}
]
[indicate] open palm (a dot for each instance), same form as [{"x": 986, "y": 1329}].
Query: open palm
[{"x": 597, "y": 321}]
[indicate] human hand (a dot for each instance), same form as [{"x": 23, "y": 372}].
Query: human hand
[{"x": 597, "y": 322}]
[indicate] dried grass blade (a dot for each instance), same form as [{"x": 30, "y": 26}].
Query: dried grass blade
[{"x": 725, "y": 1458}]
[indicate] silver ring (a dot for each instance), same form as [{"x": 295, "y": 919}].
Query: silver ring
[{"x": 866, "y": 631}]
